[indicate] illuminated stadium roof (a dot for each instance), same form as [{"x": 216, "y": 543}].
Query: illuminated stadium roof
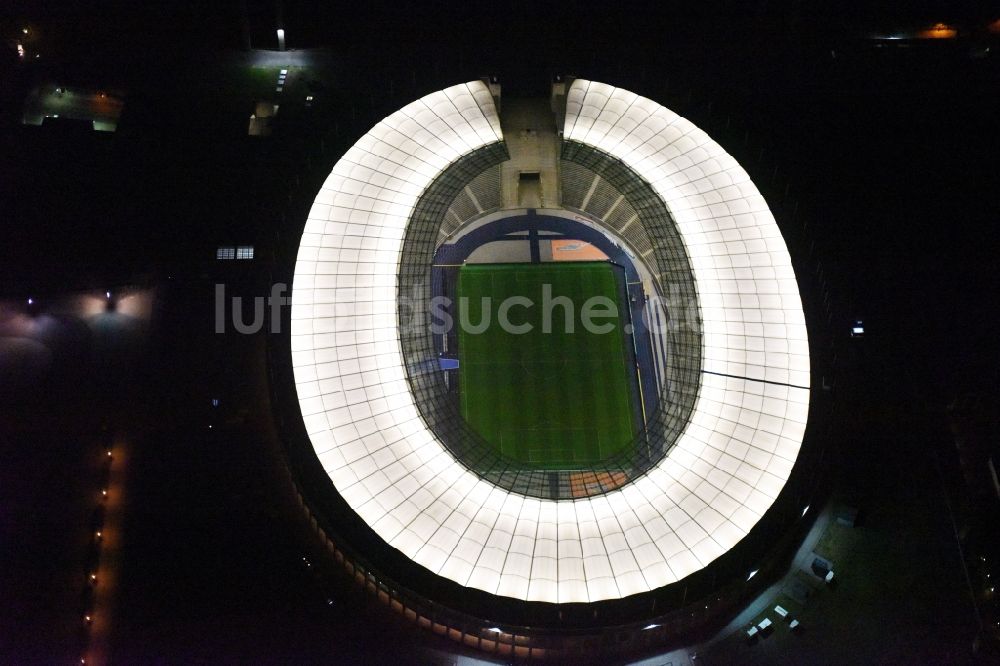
[{"x": 725, "y": 469}]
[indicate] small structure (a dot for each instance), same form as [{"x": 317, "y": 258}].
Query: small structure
[
  {"x": 821, "y": 566},
  {"x": 260, "y": 119}
]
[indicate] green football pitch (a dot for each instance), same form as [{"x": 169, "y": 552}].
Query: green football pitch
[{"x": 550, "y": 400}]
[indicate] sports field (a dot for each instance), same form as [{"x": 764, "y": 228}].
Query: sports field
[{"x": 557, "y": 400}]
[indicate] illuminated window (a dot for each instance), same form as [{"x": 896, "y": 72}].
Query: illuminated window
[
  {"x": 225, "y": 253},
  {"x": 244, "y": 252}
]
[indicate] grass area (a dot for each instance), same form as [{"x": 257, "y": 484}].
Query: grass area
[
  {"x": 556, "y": 400},
  {"x": 243, "y": 84}
]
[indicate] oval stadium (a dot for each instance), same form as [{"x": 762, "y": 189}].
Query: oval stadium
[{"x": 483, "y": 454}]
